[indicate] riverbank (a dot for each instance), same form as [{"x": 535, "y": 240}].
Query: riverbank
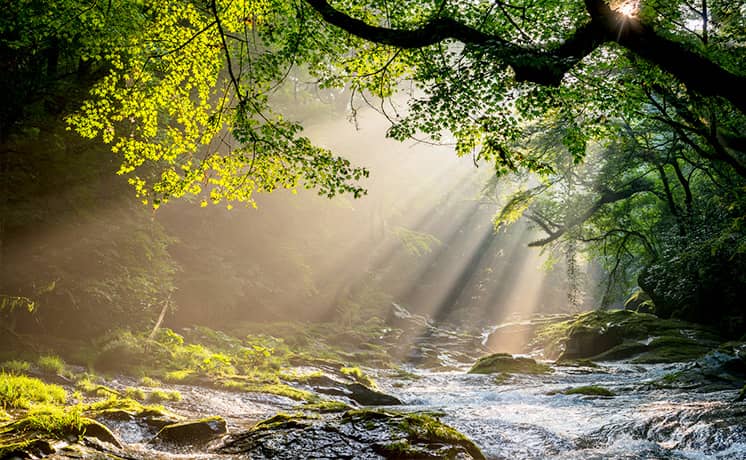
[{"x": 272, "y": 397}]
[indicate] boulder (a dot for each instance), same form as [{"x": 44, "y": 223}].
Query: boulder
[
  {"x": 503, "y": 362},
  {"x": 354, "y": 434},
  {"x": 192, "y": 432},
  {"x": 355, "y": 391}
]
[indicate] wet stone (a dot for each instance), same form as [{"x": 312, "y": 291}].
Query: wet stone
[
  {"x": 354, "y": 434},
  {"x": 192, "y": 432}
]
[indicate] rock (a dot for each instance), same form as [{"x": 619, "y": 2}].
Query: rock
[
  {"x": 590, "y": 390},
  {"x": 359, "y": 434},
  {"x": 192, "y": 432},
  {"x": 640, "y": 301},
  {"x": 94, "y": 429},
  {"x": 503, "y": 362},
  {"x": 515, "y": 338},
  {"x": 721, "y": 369},
  {"x": 625, "y": 334},
  {"x": 354, "y": 391},
  {"x": 584, "y": 342}
]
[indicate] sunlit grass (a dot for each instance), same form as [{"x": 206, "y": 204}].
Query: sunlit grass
[
  {"x": 15, "y": 367},
  {"x": 51, "y": 364},
  {"x": 20, "y": 391}
]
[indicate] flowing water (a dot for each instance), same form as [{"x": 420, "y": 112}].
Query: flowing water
[{"x": 517, "y": 419}]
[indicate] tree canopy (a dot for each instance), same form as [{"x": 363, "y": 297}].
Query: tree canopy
[{"x": 648, "y": 93}]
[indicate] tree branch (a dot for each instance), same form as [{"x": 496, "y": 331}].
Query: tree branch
[{"x": 548, "y": 66}]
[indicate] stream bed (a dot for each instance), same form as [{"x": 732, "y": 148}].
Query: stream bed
[
  {"x": 520, "y": 416},
  {"x": 517, "y": 419}
]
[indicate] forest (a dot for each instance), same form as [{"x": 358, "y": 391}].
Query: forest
[{"x": 373, "y": 229}]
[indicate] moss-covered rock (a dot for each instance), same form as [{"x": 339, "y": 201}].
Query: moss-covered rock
[
  {"x": 503, "y": 362},
  {"x": 192, "y": 432},
  {"x": 354, "y": 434},
  {"x": 624, "y": 334},
  {"x": 589, "y": 390},
  {"x": 721, "y": 369}
]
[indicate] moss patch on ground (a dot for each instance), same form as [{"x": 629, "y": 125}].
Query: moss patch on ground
[
  {"x": 589, "y": 390},
  {"x": 505, "y": 363}
]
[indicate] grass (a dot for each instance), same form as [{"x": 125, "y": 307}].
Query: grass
[
  {"x": 358, "y": 375},
  {"x": 21, "y": 392},
  {"x": 51, "y": 364},
  {"x": 159, "y": 395},
  {"x": 149, "y": 382},
  {"x": 134, "y": 393},
  {"x": 326, "y": 406},
  {"x": 15, "y": 367}
]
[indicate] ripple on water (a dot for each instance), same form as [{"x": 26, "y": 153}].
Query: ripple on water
[{"x": 520, "y": 421}]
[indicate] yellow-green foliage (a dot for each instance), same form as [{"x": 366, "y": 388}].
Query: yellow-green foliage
[
  {"x": 359, "y": 376},
  {"x": 86, "y": 385},
  {"x": 299, "y": 378},
  {"x": 279, "y": 389},
  {"x": 179, "y": 376},
  {"x": 163, "y": 395},
  {"x": 123, "y": 404},
  {"x": 325, "y": 406},
  {"x": 15, "y": 367},
  {"x": 134, "y": 393},
  {"x": 149, "y": 382},
  {"x": 53, "y": 420},
  {"x": 52, "y": 364},
  {"x": 20, "y": 391},
  {"x": 503, "y": 362}
]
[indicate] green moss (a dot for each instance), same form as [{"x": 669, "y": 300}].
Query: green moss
[
  {"x": 503, "y": 362},
  {"x": 299, "y": 378},
  {"x": 130, "y": 406},
  {"x": 359, "y": 376},
  {"x": 326, "y": 406},
  {"x": 15, "y": 367},
  {"x": 163, "y": 395},
  {"x": 590, "y": 390},
  {"x": 399, "y": 449},
  {"x": 179, "y": 376},
  {"x": 502, "y": 378},
  {"x": 134, "y": 393},
  {"x": 420, "y": 427},
  {"x": 20, "y": 391},
  {"x": 279, "y": 389},
  {"x": 50, "y": 420},
  {"x": 672, "y": 349},
  {"x": 741, "y": 395},
  {"x": 624, "y": 325},
  {"x": 149, "y": 382},
  {"x": 283, "y": 420},
  {"x": 403, "y": 374},
  {"x": 576, "y": 363}
]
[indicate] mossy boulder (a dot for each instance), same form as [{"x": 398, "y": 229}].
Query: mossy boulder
[
  {"x": 357, "y": 392},
  {"x": 721, "y": 369},
  {"x": 353, "y": 434},
  {"x": 588, "y": 390},
  {"x": 192, "y": 432},
  {"x": 607, "y": 335},
  {"x": 503, "y": 362}
]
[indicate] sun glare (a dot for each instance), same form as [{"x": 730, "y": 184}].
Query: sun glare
[{"x": 628, "y": 8}]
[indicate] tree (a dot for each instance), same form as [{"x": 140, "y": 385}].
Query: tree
[{"x": 478, "y": 71}]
